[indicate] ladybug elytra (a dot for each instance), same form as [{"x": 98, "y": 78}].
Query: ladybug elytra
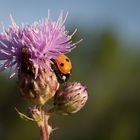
[{"x": 62, "y": 67}]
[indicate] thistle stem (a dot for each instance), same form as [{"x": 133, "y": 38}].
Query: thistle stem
[
  {"x": 44, "y": 133},
  {"x": 41, "y": 118}
]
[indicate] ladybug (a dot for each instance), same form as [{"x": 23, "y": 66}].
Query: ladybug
[{"x": 62, "y": 67}]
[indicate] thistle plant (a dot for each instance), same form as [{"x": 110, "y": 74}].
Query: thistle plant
[{"x": 32, "y": 52}]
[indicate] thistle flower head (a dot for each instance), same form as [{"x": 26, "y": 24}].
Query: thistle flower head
[
  {"x": 71, "y": 97},
  {"x": 44, "y": 40}
]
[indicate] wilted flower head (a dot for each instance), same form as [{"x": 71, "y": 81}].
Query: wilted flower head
[
  {"x": 70, "y": 98},
  {"x": 44, "y": 40}
]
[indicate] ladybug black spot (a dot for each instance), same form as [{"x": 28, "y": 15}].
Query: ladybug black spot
[
  {"x": 62, "y": 64},
  {"x": 62, "y": 78},
  {"x": 67, "y": 59}
]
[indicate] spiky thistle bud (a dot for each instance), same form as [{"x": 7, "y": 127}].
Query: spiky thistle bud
[{"x": 70, "y": 98}]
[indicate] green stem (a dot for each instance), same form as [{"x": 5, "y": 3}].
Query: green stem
[{"x": 44, "y": 132}]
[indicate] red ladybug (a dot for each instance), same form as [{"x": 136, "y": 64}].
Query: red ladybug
[{"x": 62, "y": 67}]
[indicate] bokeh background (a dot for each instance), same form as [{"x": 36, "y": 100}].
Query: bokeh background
[{"x": 108, "y": 61}]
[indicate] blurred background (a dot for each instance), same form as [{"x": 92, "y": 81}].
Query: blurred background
[{"x": 107, "y": 61}]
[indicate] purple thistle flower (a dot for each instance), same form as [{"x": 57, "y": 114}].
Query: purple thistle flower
[{"x": 44, "y": 40}]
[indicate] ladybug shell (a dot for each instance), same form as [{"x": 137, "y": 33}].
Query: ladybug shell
[{"x": 64, "y": 64}]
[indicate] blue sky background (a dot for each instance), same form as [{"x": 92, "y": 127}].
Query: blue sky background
[{"x": 124, "y": 14}]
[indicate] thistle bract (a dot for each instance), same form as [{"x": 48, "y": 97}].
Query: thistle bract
[
  {"x": 38, "y": 90},
  {"x": 70, "y": 98}
]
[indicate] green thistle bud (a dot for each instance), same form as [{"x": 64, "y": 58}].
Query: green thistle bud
[{"x": 70, "y": 98}]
